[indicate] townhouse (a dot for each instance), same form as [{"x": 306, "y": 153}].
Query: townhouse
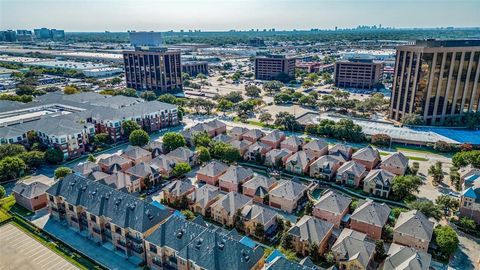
[
  {"x": 351, "y": 174},
  {"x": 234, "y": 177},
  {"x": 255, "y": 216},
  {"x": 123, "y": 181},
  {"x": 146, "y": 175},
  {"x": 258, "y": 188},
  {"x": 342, "y": 150},
  {"x": 276, "y": 158},
  {"x": 223, "y": 138},
  {"x": 156, "y": 148},
  {"x": 370, "y": 217},
  {"x": 352, "y": 250},
  {"x": 252, "y": 135},
  {"x": 104, "y": 213},
  {"x": 114, "y": 163},
  {"x": 163, "y": 165},
  {"x": 177, "y": 190},
  {"x": 309, "y": 231},
  {"x": 273, "y": 139},
  {"x": 86, "y": 168},
  {"x": 241, "y": 146},
  {"x": 183, "y": 155},
  {"x": 325, "y": 167},
  {"x": 378, "y": 182},
  {"x": 292, "y": 143},
  {"x": 367, "y": 156},
  {"x": 316, "y": 148},
  {"x": 470, "y": 196},
  {"x": 287, "y": 195},
  {"x": 226, "y": 208},
  {"x": 212, "y": 128},
  {"x": 299, "y": 163},
  {"x": 400, "y": 257},
  {"x": 31, "y": 196},
  {"x": 413, "y": 229},
  {"x": 332, "y": 207},
  {"x": 202, "y": 198},
  {"x": 256, "y": 152},
  {"x": 211, "y": 172},
  {"x": 396, "y": 163},
  {"x": 237, "y": 132},
  {"x": 137, "y": 154}
]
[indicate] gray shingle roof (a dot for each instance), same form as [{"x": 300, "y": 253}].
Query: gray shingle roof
[
  {"x": 254, "y": 133},
  {"x": 232, "y": 202},
  {"x": 236, "y": 131},
  {"x": 406, "y": 258},
  {"x": 352, "y": 245},
  {"x": 367, "y": 153},
  {"x": 294, "y": 141},
  {"x": 122, "y": 209},
  {"x": 258, "y": 213},
  {"x": 352, "y": 167},
  {"x": 204, "y": 194},
  {"x": 213, "y": 168},
  {"x": 162, "y": 162},
  {"x": 273, "y": 136},
  {"x": 288, "y": 189},
  {"x": 333, "y": 202},
  {"x": 281, "y": 263},
  {"x": 380, "y": 177},
  {"x": 259, "y": 181},
  {"x": 341, "y": 148},
  {"x": 311, "y": 229},
  {"x": 223, "y": 138},
  {"x": 315, "y": 145},
  {"x": 300, "y": 158},
  {"x": 414, "y": 223},
  {"x": 182, "y": 154},
  {"x": 396, "y": 160},
  {"x": 371, "y": 212},
  {"x": 114, "y": 159},
  {"x": 236, "y": 174},
  {"x": 178, "y": 187},
  {"x": 141, "y": 170},
  {"x": 239, "y": 144},
  {"x": 135, "y": 152},
  {"x": 327, "y": 161},
  {"x": 31, "y": 190},
  {"x": 86, "y": 168}
]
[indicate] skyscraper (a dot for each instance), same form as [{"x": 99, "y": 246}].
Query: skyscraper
[{"x": 436, "y": 80}]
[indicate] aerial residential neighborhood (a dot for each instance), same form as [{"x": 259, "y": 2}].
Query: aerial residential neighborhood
[{"x": 139, "y": 137}]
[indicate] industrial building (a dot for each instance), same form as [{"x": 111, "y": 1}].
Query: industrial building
[
  {"x": 361, "y": 73},
  {"x": 436, "y": 80}
]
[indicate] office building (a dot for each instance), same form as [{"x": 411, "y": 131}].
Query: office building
[
  {"x": 155, "y": 69},
  {"x": 361, "y": 73},
  {"x": 8, "y": 36},
  {"x": 436, "y": 80},
  {"x": 274, "y": 67},
  {"x": 24, "y": 36},
  {"x": 195, "y": 67},
  {"x": 45, "y": 33},
  {"x": 145, "y": 39}
]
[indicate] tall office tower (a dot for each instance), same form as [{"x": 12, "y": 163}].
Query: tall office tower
[
  {"x": 145, "y": 39},
  {"x": 436, "y": 80},
  {"x": 156, "y": 69},
  {"x": 274, "y": 67},
  {"x": 358, "y": 73}
]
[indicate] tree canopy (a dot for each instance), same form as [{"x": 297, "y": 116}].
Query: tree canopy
[
  {"x": 172, "y": 141},
  {"x": 139, "y": 137}
]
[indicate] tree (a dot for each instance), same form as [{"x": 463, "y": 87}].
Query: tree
[
  {"x": 128, "y": 92},
  {"x": 70, "y": 90},
  {"x": 265, "y": 118},
  {"x": 181, "y": 169},
  {"x": 189, "y": 215},
  {"x": 312, "y": 77},
  {"x": 381, "y": 139},
  {"x": 139, "y": 137},
  {"x": 330, "y": 258},
  {"x": 465, "y": 158},
  {"x": 464, "y": 222},
  {"x": 203, "y": 154},
  {"x": 313, "y": 251},
  {"x": 455, "y": 178},
  {"x": 53, "y": 155},
  {"x": 446, "y": 239},
  {"x": 23, "y": 89},
  {"x": 309, "y": 208},
  {"x": 436, "y": 172},
  {"x": 442, "y": 146},
  {"x": 10, "y": 150},
  {"x": 148, "y": 95},
  {"x": 252, "y": 91},
  {"x": 167, "y": 98},
  {"x": 202, "y": 139},
  {"x": 207, "y": 105},
  {"x": 91, "y": 158},
  {"x": 32, "y": 159},
  {"x": 447, "y": 203},
  {"x": 102, "y": 138},
  {"x": 2, "y": 192},
  {"x": 224, "y": 105},
  {"x": 379, "y": 250},
  {"x": 307, "y": 84},
  {"x": 286, "y": 120},
  {"x": 129, "y": 126},
  {"x": 61, "y": 172},
  {"x": 11, "y": 168},
  {"x": 287, "y": 241},
  {"x": 272, "y": 86},
  {"x": 224, "y": 152},
  {"x": 234, "y": 96},
  {"x": 259, "y": 230},
  {"x": 403, "y": 186},
  {"x": 307, "y": 100},
  {"x": 427, "y": 207},
  {"x": 172, "y": 141}
]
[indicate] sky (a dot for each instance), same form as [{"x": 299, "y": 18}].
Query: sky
[{"x": 165, "y": 15}]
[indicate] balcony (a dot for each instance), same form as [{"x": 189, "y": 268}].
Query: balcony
[{"x": 134, "y": 239}]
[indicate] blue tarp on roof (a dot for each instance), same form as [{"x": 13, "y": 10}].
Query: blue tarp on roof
[
  {"x": 248, "y": 242},
  {"x": 275, "y": 253}
]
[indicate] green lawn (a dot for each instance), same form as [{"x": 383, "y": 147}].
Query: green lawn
[{"x": 417, "y": 158}]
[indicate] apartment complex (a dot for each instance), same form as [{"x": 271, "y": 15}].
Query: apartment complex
[
  {"x": 155, "y": 69},
  {"x": 358, "y": 73},
  {"x": 436, "y": 80},
  {"x": 274, "y": 67}
]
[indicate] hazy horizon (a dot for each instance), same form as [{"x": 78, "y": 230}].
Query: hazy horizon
[{"x": 216, "y": 15}]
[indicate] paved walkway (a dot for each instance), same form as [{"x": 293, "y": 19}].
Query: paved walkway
[{"x": 21, "y": 252}]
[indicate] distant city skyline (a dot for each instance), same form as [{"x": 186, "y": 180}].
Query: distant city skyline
[{"x": 217, "y": 15}]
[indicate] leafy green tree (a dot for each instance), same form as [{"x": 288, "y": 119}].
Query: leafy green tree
[
  {"x": 259, "y": 230},
  {"x": 167, "y": 98},
  {"x": 464, "y": 222},
  {"x": 403, "y": 186},
  {"x": 309, "y": 208},
  {"x": 61, "y": 172},
  {"x": 139, "y": 137},
  {"x": 181, "y": 169},
  {"x": 234, "y": 96},
  {"x": 436, "y": 172},
  {"x": 286, "y": 120},
  {"x": 11, "y": 168},
  {"x": 203, "y": 154},
  {"x": 307, "y": 84},
  {"x": 128, "y": 92},
  {"x": 53, "y": 156},
  {"x": 446, "y": 239},
  {"x": 272, "y": 86},
  {"x": 10, "y": 150},
  {"x": 2, "y": 192},
  {"x": 287, "y": 241},
  {"x": 91, "y": 158},
  {"x": 265, "y": 118},
  {"x": 172, "y": 141},
  {"x": 102, "y": 138},
  {"x": 189, "y": 215},
  {"x": 148, "y": 95},
  {"x": 70, "y": 90},
  {"x": 314, "y": 252},
  {"x": 379, "y": 250},
  {"x": 224, "y": 105},
  {"x": 427, "y": 207},
  {"x": 464, "y": 158},
  {"x": 282, "y": 98},
  {"x": 129, "y": 126},
  {"x": 202, "y": 139},
  {"x": 447, "y": 203},
  {"x": 225, "y": 152},
  {"x": 33, "y": 159},
  {"x": 330, "y": 258},
  {"x": 252, "y": 91}
]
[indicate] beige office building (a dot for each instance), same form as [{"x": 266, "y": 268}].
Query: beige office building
[
  {"x": 358, "y": 73},
  {"x": 436, "y": 79},
  {"x": 274, "y": 67}
]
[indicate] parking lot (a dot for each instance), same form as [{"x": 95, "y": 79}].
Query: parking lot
[{"x": 19, "y": 251}]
